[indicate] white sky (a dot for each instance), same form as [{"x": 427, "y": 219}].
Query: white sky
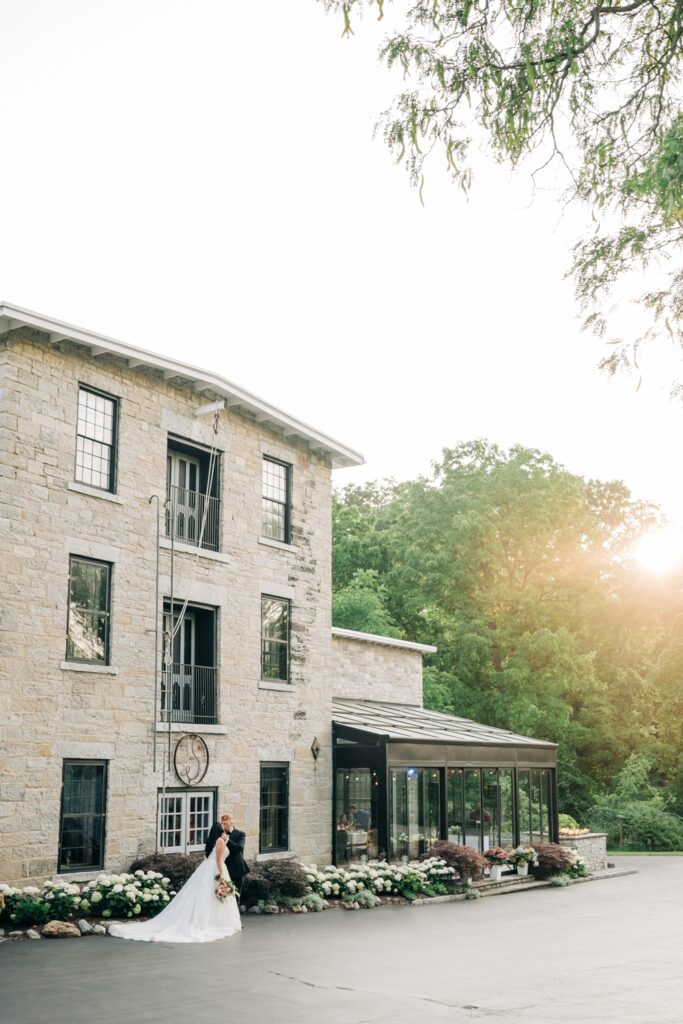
[{"x": 198, "y": 177}]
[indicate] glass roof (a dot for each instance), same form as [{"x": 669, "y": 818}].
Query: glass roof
[{"x": 407, "y": 722}]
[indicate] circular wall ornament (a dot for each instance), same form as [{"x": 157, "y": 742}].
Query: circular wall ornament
[{"x": 191, "y": 759}]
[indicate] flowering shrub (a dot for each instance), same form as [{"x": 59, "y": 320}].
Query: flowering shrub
[
  {"x": 431, "y": 877},
  {"x": 177, "y": 867},
  {"x": 145, "y": 892},
  {"x": 62, "y": 898},
  {"x": 496, "y": 855},
  {"x": 468, "y": 863},
  {"x": 524, "y": 855},
  {"x": 24, "y": 907},
  {"x": 551, "y": 860},
  {"x": 575, "y": 866}
]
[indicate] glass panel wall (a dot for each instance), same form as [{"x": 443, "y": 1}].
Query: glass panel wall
[
  {"x": 507, "y": 810},
  {"x": 356, "y": 814},
  {"x": 489, "y": 778},
  {"x": 473, "y": 809},
  {"x": 454, "y": 782},
  {"x": 545, "y": 806},
  {"x": 524, "y": 806},
  {"x": 415, "y": 805}
]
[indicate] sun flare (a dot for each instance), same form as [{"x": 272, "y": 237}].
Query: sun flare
[{"x": 661, "y": 552}]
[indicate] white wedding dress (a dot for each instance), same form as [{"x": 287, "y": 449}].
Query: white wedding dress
[{"x": 194, "y": 915}]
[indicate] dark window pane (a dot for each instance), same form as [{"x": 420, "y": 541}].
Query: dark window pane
[
  {"x": 88, "y": 621},
  {"x": 455, "y": 809},
  {"x": 83, "y": 815},
  {"x": 95, "y": 440},
  {"x": 273, "y": 828},
  {"x": 276, "y": 491},
  {"x": 275, "y": 638}
]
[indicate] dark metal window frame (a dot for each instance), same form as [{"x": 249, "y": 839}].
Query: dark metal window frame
[
  {"x": 104, "y": 764},
  {"x": 107, "y": 611},
  {"x": 111, "y": 489},
  {"x": 287, "y": 504},
  {"x": 285, "y": 766},
  {"x": 288, "y": 641}
]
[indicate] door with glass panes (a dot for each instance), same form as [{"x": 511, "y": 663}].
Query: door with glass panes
[
  {"x": 179, "y": 666},
  {"x": 184, "y": 820},
  {"x": 183, "y": 494}
]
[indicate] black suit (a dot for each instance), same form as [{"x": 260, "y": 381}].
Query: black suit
[{"x": 234, "y": 861}]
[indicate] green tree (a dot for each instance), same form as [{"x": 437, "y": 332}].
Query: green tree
[
  {"x": 518, "y": 572},
  {"x": 594, "y": 84}
]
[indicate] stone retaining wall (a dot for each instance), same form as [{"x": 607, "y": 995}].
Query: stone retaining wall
[{"x": 591, "y": 848}]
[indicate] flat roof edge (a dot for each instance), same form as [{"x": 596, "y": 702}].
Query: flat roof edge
[{"x": 375, "y": 638}]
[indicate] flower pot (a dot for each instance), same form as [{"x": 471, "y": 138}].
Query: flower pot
[
  {"x": 496, "y": 871},
  {"x": 522, "y": 869}
]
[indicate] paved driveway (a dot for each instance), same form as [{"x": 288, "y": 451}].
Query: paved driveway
[{"x": 606, "y": 951}]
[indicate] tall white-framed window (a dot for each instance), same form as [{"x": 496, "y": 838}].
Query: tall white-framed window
[{"x": 184, "y": 819}]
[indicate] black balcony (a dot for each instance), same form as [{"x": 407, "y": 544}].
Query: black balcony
[{"x": 192, "y": 690}]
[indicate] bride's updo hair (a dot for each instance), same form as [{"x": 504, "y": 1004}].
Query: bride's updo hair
[{"x": 213, "y": 837}]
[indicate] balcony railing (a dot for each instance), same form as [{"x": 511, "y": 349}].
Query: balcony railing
[
  {"x": 185, "y": 511},
  {"x": 193, "y": 694}
]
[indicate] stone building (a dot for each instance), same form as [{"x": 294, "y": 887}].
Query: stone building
[{"x": 165, "y": 642}]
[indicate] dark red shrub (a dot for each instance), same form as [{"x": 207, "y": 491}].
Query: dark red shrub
[
  {"x": 176, "y": 866},
  {"x": 552, "y": 860},
  {"x": 467, "y": 862}
]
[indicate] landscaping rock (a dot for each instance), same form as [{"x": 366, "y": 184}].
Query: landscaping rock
[
  {"x": 99, "y": 929},
  {"x": 2, "y": 932},
  {"x": 85, "y": 928},
  {"x": 254, "y": 910},
  {"x": 15, "y": 935},
  {"x": 61, "y": 930},
  {"x": 271, "y": 908},
  {"x": 33, "y": 934}
]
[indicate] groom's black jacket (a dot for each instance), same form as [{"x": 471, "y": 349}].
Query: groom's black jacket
[{"x": 235, "y": 863}]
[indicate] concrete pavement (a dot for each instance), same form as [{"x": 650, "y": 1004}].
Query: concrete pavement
[{"x": 610, "y": 951}]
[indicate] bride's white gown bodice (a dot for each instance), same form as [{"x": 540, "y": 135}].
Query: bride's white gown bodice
[{"x": 194, "y": 915}]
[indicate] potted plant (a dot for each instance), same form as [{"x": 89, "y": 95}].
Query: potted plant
[
  {"x": 497, "y": 858},
  {"x": 522, "y": 857}
]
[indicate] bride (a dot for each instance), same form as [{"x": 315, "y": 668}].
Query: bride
[{"x": 195, "y": 914}]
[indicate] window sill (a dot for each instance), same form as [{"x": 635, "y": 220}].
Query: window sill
[
  {"x": 274, "y": 684},
  {"x": 79, "y": 875},
  {"x": 276, "y": 855},
  {"x": 190, "y": 549},
  {"x": 270, "y": 543},
  {"x": 100, "y": 670},
  {"x": 216, "y": 730},
  {"x": 94, "y": 492}
]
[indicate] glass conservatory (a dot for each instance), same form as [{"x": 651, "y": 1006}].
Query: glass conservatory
[{"x": 405, "y": 777}]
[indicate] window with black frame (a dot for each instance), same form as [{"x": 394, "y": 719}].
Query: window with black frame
[
  {"x": 276, "y": 516},
  {"x": 96, "y": 439},
  {"x": 274, "y": 808},
  {"x": 88, "y": 623},
  {"x": 275, "y": 622},
  {"x": 82, "y": 827}
]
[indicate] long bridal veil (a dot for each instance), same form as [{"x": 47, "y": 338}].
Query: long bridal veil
[{"x": 194, "y": 915}]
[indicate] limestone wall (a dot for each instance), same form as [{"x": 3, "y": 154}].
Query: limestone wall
[
  {"x": 374, "y": 670},
  {"x": 49, "y": 710},
  {"x": 591, "y": 848}
]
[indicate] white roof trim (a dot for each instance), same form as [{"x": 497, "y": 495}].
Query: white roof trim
[
  {"x": 201, "y": 380},
  {"x": 389, "y": 641}
]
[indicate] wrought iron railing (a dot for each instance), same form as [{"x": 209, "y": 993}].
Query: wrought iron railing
[
  {"x": 185, "y": 512},
  {"x": 192, "y": 690}
]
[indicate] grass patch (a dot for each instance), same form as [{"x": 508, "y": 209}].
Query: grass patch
[{"x": 645, "y": 853}]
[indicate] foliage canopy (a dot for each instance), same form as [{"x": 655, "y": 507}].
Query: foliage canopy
[
  {"x": 595, "y": 85},
  {"x": 519, "y": 572}
]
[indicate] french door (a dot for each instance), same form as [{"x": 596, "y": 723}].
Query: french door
[
  {"x": 184, "y": 820},
  {"x": 183, "y": 493},
  {"x": 179, "y": 666}
]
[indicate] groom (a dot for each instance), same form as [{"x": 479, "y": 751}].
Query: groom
[{"x": 235, "y": 839}]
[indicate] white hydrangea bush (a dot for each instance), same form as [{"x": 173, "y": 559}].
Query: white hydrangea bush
[
  {"x": 431, "y": 877},
  {"x": 126, "y": 895}
]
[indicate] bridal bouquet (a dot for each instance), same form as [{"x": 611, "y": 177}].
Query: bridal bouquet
[{"x": 224, "y": 888}]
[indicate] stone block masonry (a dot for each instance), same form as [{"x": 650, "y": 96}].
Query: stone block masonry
[{"x": 591, "y": 848}]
